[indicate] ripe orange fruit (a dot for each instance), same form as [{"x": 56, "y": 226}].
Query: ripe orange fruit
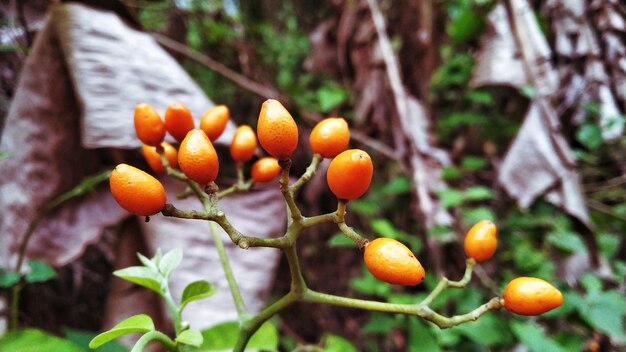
[
  {"x": 178, "y": 121},
  {"x": 244, "y": 144},
  {"x": 481, "y": 241},
  {"x": 350, "y": 173},
  {"x": 276, "y": 129},
  {"x": 265, "y": 169},
  {"x": 330, "y": 137},
  {"x": 149, "y": 127},
  {"x": 197, "y": 157},
  {"x": 136, "y": 191},
  {"x": 393, "y": 262},
  {"x": 531, "y": 296},
  {"x": 154, "y": 158},
  {"x": 214, "y": 121}
]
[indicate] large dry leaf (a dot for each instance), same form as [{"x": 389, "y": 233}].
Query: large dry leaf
[{"x": 540, "y": 160}]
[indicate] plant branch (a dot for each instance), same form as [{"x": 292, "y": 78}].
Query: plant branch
[
  {"x": 154, "y": 336},
  {"x": 306, "y": 176},
  {"x": 445, "y": 283}
]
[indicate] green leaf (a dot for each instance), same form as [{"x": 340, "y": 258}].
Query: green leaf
[
  {"x": 486, "y": 331},
  {"x": 567, "y": 241},
  {"x": 589, "y": 135},
  {"x": 147, "y": 262},
  {"x": 450, "y": 197},
  {"x": 141, "y": 276},
  {"x": 591, "y": 282},
  {"x": 39, "y": 272},
  {"x": 190, "y": 337},
  {"x": 136, "y": 323},
  {"x": 477, "y": 193},
  {"x": 383, "y": 228},
  {"x": 609, "y": 244},
  {"x": 380, "y": 323},
  {"x": 170, "y": 261},
  {"x": 196, "y": 290},
  {"x": 340, "y": 240},
  {"x": 35, "y": 340},
  {"x": 450, "y": 173},
  {"x": 534, "y": 338},
  {"x": 529, "y": 91},
  {"x": 81, "y": 338},
  {"x": 473, "y": 163},
  {"x": 474, "y": 215},
  {"x": 465, "y": 26},
  {"x": 329, "y": 96},
  {"x": 223, "y": 336},
  {"x": 480, "y": 97},
  {"x": 399, "y": 185},
  {"x": 8, "y": 278},
  {"x": 420, "y": 337},
  {"x": 334, "y": 343},
  {"x": 4, "y": 155},
  {"x": 605, "y": 311}
]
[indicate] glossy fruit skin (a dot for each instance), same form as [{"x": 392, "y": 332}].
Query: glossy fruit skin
[
  {"x": 265, "y": 169},
  {"x": 214, "y": 121},
  {"x": 178, "y": 121},
  {"x": 154, "y": 158},
  {"x": 197, "y": 157},
  {"x": 481, "y": 241},
  {"x": 149, "y": 127},
  {"x": 349, "y": 174},
  {"x": 276, "y": 129},
  {"x": 330, "y": 137},
  {"x": 137, "y": 191},
  {"x": 531, "y": 296},
  {"x": 393, "y": 262},
  {"x": 244, "y": 144}
]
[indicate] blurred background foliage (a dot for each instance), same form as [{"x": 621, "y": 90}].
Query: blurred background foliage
[{"x": 269, "y": 42}]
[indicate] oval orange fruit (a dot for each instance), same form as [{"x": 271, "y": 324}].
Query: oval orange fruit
[
  {"x": 481, "y": 241},
  {"x": 137, "y": 191},
  {"x": 214, "y": 121},
  {"x": 244, "y": 143},
  {"x": 149, "y": 127},
  {"x": 276, "y": 129},
  {"x": 393, "y": 262},
  {"x": 197, "y": 157},
  {"x": 265, "y": 169},
  {"x": 154, "y": 158},
  {"x": 531, "y": 296},
  {"x": 350, "y": 173},
  {"x": 330, "y": 137},
  {"x": 178, "y": 121}
]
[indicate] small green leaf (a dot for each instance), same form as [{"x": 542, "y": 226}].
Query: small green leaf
[
  {"x": 450, "y": 197},
  {"x": 384, "y": 228},
  {"x": 420, "y": 337},
  {"x": 223, "y": 336},
  {"x": 486, "y": 331},
  {"x": 450, "y": 173},
  {"x": 605, "y": 311},
  {"x": 141, "y": 276},
  {"x": 170, "y": 261},
  {"x": 136, "y": 323},
  {"x": 190, "y": 337},
  {"x": 35, "y": 340},
  {"x": 334, "y": 343},
  {"x": 567, "y": 241},
  {"x": 534, "y": 338},
  {"x": 196, "y": 290},
  {"x": 81, "y": 338},
  {"x": 8, "y": 278},
  {"x": 589, "y": 135},
  {"x": 591, "y": 282},
  {"x": 480, "y": 97},
  {"x": 39, "y": 272},
  {"x": 147, "y": 262},
  {"x": 473, "y": 163},
  {"x": 609, "y": 244},
  {"x": 529, "y": 91},
  {"x": 379, "y": 323},
  {"x": 399, "y": 185},
  {"x": 330, "y": 96},
  {"x": 477, "y": 193}
]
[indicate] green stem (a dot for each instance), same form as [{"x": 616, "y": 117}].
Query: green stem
[
  {"x": 174, "y": 310},
  {"x": 283, "y": 182},
  {"x": 353, "y": 235},
  {"x": 308, "y": 173},
  {"x": 154, "y": 336},
  {"x": 15, "y": 304},
  {"x": 298, "y": 285},
  {"x": 242, "y": 312},
  {"x": 318, "y": 219},
  {"x": 445, "y": 283}
]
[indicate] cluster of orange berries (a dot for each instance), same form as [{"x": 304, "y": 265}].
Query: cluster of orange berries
[{"x": 348, "y": 176}]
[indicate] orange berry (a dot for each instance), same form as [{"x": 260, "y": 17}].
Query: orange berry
[
  {"x": 531, "y": 296},
  {"x": 214, "y": 121},
  {"x": 481, "y": 241},
  {"x": 276, "y": 129},
  {"x": 197, "y": 157},
  {"x": 149, "y": 127},
  {"x": 330, "y": 137},
  {"x": 393, "y": 262},
  {"x": 350, "y": 173},
  {"x": 178, "y": 121},
  {"x": 154, "y": 158},
  {"x": 137, "y": 191},
  {"x": 265, "y": 169},
  {"x": 244, "y": 144}
]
